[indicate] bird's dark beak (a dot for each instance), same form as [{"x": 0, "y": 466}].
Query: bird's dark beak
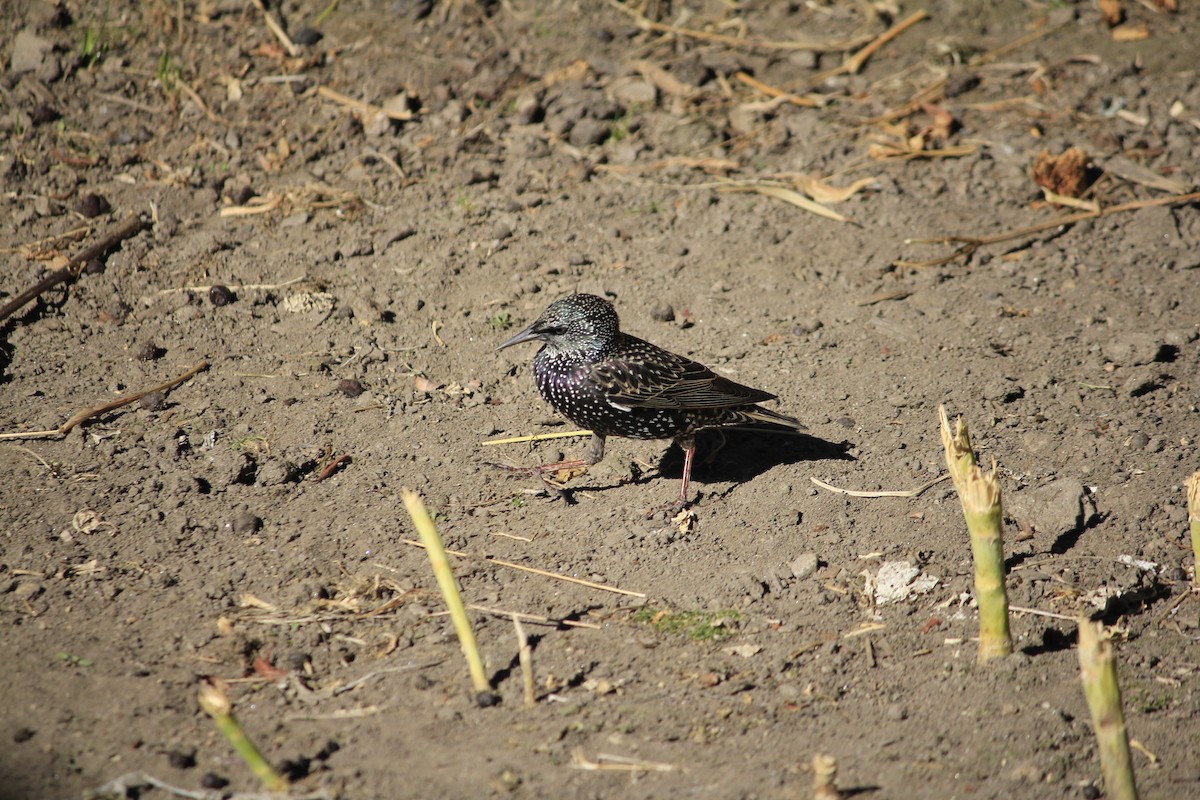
[{"x": 527, "y": 335}]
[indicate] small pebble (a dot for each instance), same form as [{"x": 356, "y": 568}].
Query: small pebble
[
  {"x": 148, "y": 351},
  {"x": 221, "y": 295},
  {"x": 804, "y": 565},
  {"x": 92, "y": 205},
  {"x": 155, "y": 401},
  {"x": 246, "y": 523},
  {"x": 663, "y": 312},
  {"x": 43, "y": 114},
  {"x": 295, "y": 769},
  {"x": 184, "y": 758},
  {"x": 23, "y": 734},
  {"x": 307, "y": 36},
  {"x": 295, "y": 661},
  {"x": 211, "y": 780},
  {"x": 487, "y": 699},
  {"x": 243, "y": 195},
  {"x": 350, "y": 387},
  {"x": 94, "y": 267}
]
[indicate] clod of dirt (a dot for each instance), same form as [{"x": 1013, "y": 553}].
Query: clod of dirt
[
  {"x": 1053, "y": 509},
  {"x": 307, "y": 36},
  {"x": 23, "y": 734},
  {"x": 221, "y": 295},
  {"x": 275, "y": 472},
  {"x": 295, "y": 769},
  {"x": 529, "y": 109},
  {"x": 588, "y": 131},
  {"x": 663, "y": 312},
  {"x": 43, "y": 114},
  {"x": 1004, "y": 390},
  {"x": 92, "y": 205},
  {"x": 350, "y": 387},
  {"x": 243, "y": 195},
  {"x": 211, "y": 780},
  {"x": 1065, "y": 174},
  {"x": 182, "y": 758},
  {"x": 803, "y": 565},
  {"x": 245, "y": 523},
  {"x": 117, "y": 311},
  {"x": 155, "y": 401},
  {"x": 295, "y": 661},
  {"x": 148, "y": 351},
  {"x": 29, "y": 51},
  {"x": 1134, "y": 349}
]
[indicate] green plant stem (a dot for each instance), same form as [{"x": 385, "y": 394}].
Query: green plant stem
[
  {"x": 445, "y": 578},
  {"x": 987, "y": 550},
  {"x": 979, "y": 494},
  {"x": 1098, "y": 672},
  {"x": 216, "y": 704},
  {"x": 232, "y": 730}
]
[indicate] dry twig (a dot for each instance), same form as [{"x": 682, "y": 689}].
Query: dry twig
[
  {"x": 129, "y": 227},
  {"x": 969, "y": 244},
  {"x": 535, "y": 571},
  {"x": 888, "y": 493},
  {"x": 97, "y": 410},
  {"x": 816, "y": 46}
]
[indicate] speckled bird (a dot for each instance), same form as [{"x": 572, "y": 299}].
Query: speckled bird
[{"x": 619, "y": 385}]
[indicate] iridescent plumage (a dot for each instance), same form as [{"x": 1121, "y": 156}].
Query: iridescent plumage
[{"x": 619, "y": 385}]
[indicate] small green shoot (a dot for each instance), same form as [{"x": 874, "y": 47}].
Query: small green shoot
[
  {"x": 501, "y": 320},
  {"x": 167, "y": 72},
  {"x": 94, "y": 42},
  {"x": 699, "y": 626},
  {"x": 73, "y": 661},
  {"x": 620, "y": 128},
  {"x": 255, "y": 445}
]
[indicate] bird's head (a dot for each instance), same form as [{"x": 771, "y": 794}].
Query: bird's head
[{"x": 576, "y": 323}]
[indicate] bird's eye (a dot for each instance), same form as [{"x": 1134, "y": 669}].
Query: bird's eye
[{"x": 554, "y": 330}]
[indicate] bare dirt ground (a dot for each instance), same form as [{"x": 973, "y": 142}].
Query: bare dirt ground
[{"x": 386, "y": 202}]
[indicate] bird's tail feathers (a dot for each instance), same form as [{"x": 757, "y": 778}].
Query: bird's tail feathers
[{"x": 770, "y": 417}]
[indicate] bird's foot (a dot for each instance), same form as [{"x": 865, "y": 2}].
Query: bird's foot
[{"x": 666, "y": 510}]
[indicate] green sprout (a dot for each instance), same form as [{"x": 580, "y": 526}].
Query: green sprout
[{"x": 699, "y": 626}]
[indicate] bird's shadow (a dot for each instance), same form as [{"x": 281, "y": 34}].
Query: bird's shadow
[{"x": 741, "y": 454}]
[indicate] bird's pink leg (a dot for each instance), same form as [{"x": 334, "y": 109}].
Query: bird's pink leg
[
  {"x": 688, "y": 443},
  {"x": 689, "y": 453}
]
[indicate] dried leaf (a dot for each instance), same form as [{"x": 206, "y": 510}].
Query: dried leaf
[
  {"x": 793, "y": 197},
  {"x": 663, "y": 80},
  {"x": 1112, "y": 12},
  {"x": 822, "y": 192},
  {"x": 423, "y": 384},
  {"x": 250, "y": 601},
  {"x": 1064, "y": 174},
  {"x": 1130, "y": 33},
  {"x": 943, "y": 125},
  {"x": 575, "y": 71},
  {"x": 265, "y": 669}
]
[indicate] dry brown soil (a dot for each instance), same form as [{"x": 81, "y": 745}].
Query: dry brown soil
[{"x": 541, "y": 148}]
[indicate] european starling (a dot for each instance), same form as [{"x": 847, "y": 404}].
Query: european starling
[{"x": 620, "y": 385}]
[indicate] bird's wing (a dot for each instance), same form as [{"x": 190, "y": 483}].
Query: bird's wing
[{"x": 666, "y": 380}]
